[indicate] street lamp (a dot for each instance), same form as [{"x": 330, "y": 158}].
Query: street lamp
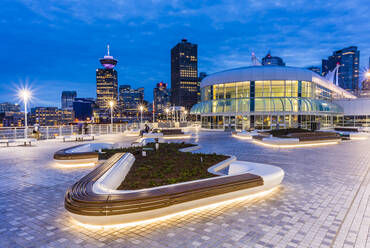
[
  {"x": 25, "y": 95},
  {"x": 111, "y": 104},
  {"x": 185, "y": 113},
  {"x": 368, "y": 74},
  {"x": 167, "y": 110},
  {"x": 141, "y": 113}
]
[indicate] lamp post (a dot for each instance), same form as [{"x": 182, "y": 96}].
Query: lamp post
[
  {"x": 167, "y": 110},
  {"x": 185, "y": 114},
  {"x": 25, "y": 95},
  {"x": 141, "y": 114},
  {"x": 111, "y": 104}
]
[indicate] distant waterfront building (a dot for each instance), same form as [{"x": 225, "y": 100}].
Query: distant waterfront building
[
  {"x": 106, "y": 82},
  {"x": 184, "y": 74},
  {"x": 12, "y": 119},
  {"x": 272, "y": 60},
  {"x": 161, "y": 96},
  {"x": 349, "y": 60},
  {"x": 51, "y": 116},
  {"x": 129, "y": 98},
  {"x": 67, "y": 99},
  {"x": 316, "y": 69},
  {"x": 9, "y": 107},
  {"x": 83, "y": 108},
  {"x": 269, "y": 97}
]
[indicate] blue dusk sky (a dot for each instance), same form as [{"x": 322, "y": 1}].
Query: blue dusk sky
[{"x": 55, "y": 45}]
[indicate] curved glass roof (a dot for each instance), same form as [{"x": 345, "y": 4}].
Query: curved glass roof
[{"x": 276, "y": 104}]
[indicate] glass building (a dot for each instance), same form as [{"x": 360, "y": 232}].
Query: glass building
[
  {"x": 349, "y": 61},
  {"x": 184, "y": 74},
  {"x": 267, "y": 97},
  {"x": 67, "y": 99}
]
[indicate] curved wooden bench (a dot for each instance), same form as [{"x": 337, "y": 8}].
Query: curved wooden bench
[
  {"x": 64, "y": 155},
  {"x": 82, "y": 202}
]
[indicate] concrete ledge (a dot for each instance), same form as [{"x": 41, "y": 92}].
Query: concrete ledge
[
  {"x": 80, "y": 154},
  {"x": 133, "y": 132},
  {"x": 294, "y": 143},
  {"x": 94, "y": 199}
]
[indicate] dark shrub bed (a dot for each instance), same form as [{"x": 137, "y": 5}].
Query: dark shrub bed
[{"x": 166, "y": 166}]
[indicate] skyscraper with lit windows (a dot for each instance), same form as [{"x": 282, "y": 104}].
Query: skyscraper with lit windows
[
  {"x": 106, "y": 82},
  {"x": 349, "y": 60},
  {"x": 184, "y": 74}
]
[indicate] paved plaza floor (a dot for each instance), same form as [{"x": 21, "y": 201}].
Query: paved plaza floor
[{"x": 324, "y": 201}]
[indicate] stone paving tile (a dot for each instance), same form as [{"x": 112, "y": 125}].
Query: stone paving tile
[{"x": 323, "y": 201}]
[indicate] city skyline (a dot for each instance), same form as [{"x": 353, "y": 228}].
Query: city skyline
[{"x": 68, "y": 42}]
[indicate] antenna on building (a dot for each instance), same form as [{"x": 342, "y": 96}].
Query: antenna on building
[{"x": 108, "y": 49}]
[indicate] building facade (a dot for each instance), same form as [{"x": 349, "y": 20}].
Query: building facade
[
  {"x": 67, "y": 99},
  {"x": 83, "y": 108},
  {"x": 348, "y": 60},
  {"x": 106, "y": 82},
  {"x": 184, "y": 74},
  {"x": 9, "y": 107},
  {"x": 272, "y": 60},
  {"x": 161, "y": 98},
  {"x": 266, "y": 97},
  {"x": 51, "y": 116},
  {"x": 130, "y": 99}
]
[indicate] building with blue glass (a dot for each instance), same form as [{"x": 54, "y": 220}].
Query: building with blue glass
[{"x": 266, "y": 97}]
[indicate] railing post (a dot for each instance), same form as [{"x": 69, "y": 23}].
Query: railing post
[
  {"x": 15, "y": 133},
  {"x": 71, "y": 129},
  {"x": 47, "y": 132},
  {"x": 60, "y": 130}
]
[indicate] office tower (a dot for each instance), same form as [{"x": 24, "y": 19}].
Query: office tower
[
  {"x": 184, "y": 74},
  {"x": 106, "y": 82},
  {"x": 348, "y": 60},
  {"x": 67, "y": 99},
  {"x": 272, "y": 60},
  {"x": 161, "y": 98},
  {"x": 316, "y": 69},
  {"x": 83, "y": 108},
  {"x": 130, "y": 98},
  {"x": 9, "y": 107}
]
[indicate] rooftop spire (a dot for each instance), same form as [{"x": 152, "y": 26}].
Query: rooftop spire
[{"x": 108, "y": 49}]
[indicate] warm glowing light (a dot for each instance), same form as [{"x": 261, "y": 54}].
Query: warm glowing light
[
  {"x": 185, "y": 112},
  {"x": 141, "y": 107},
  {"x": 111, "y": 103},
  {"x": 177, "y": 137},
  {"x": 239, "y": 136},
  {"x": 182, "y": 213},
  {"x": 74, "y": 165},
  {"x": 295, "y": 145},
  {"x": 358, "y": 138},
  {"x": 167, "y": 110},
  {"x": 367, "y": 74}
]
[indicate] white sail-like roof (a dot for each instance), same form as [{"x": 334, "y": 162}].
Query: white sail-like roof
[{"x": 259, "y": 73}]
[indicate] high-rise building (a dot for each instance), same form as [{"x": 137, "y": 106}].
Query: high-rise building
[
  {"x": 161, "y": 97},
  {"x": 9, "y": 107},
  {"x": 67, "y": 99},
  {"x": 184, "y": 74},
  {"x": 129, "y": 98},
  {"x": 272, "y": 60},
  {"x": 83, "y": 108},
  {"x": 106, "y": 82},
  {"x": 348, "y": 60},
  {"x": 316, "y": 69}
]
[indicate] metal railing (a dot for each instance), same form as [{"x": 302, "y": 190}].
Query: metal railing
[{"x": 50, "y": 132}]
